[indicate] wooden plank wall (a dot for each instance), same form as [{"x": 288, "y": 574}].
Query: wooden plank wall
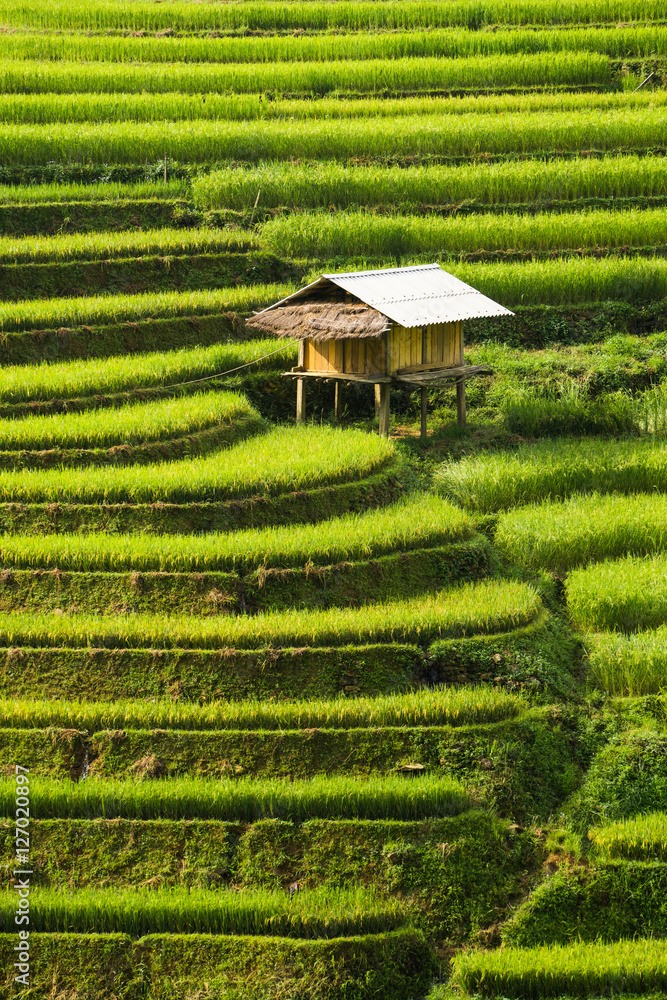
[
  {"x": 355, "y": 357},
  {"x": 444, "y": 346}
]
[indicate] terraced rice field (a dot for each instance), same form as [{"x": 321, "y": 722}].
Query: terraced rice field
[{"x": 300, "y": 712}]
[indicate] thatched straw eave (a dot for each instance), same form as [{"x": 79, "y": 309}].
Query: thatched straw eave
[{"x": 320, "y": 321}]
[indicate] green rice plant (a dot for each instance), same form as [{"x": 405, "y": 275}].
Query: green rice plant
[
  {"x": 284, "y": 459},
  {"x": 326, "y": 235},
  {"x": 637, "y": 40},
  {"x": 566, "y": 280},
  {"x": 464, "y": 135},
  {"x": 619, "y": 362},
  {"x": 626, "y": 967},
  {"x": 567, "y": 409},
  {"x": 315, "y": 913},
  {"x": 553, "y": 470},
  {"x": 563, "y": 281},
  {"x": 126, "y": 243},
  {"x": 487, "y": 607},
  {"x": 544, "y": 282},
  {"x": 651, "y": 410},
  {"x": 628, "y": 665},
  {"x": 153, "y": 421},
  {"x": 362, "y": 75},
  {"x": 584, "y": 529},
  {"x": 100, "y": 376},
  {"x": 316, "y": 15},
  {"x": 639, "y": 838},
  {"x": 420, "y": 522},
  {"x": 245, "y": 800},
  {"x": 51, "y": 194},
  {"x": 287, "y": 458},
  {"x": 623, "y": 595},
  {"x": 320, "y": 185},
  {"x": 460, "y": 706},
  {"x": 101, "y": 310},
  {"x": 44, "y": 109}
]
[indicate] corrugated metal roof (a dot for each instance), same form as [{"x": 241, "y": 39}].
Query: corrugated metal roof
[
  {"x": 412, "y": 296},
  {"x": 417, "y": 296}
]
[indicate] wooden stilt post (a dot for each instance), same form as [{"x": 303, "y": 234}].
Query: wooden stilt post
[
  {"x": 300, "y": 400},
  {"x": 378, "y": 388},
  {"x": 424, "y": 395},
  {"x": 337, "y": 401},
  {"x": 424, "y": 391},
  {"x": 385, "y": 388},
  {"x": 461, "y": 401},
  {"x": 301, "y": 386}
]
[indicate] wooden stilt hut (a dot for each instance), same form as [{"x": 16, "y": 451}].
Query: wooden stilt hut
[{"x": 400, "y": 325}]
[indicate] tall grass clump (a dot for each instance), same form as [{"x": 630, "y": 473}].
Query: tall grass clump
[
  {"x": 629, "y": 967},
  {"x": 319, "y": 185},
  {"x": 639, "y": 838},
  {"x": 154, "y": 421},
  {"x": 416, "y": 136},
  {"x": 554, "y": 470},
  {"x": 344, "y": 234},
  {"x": 487, "y": 607},
  {"x": 286, "y": 458},
  {"x": 622, "y": 595},
  {"x": 25, "y": 76},
  {"x": 243, "y": 800},
  {"x": 417, "y": 523},
  {"x": 427, "y": 707},
  {"x": 316, "y": 913},
  {"x": 584, "y": 529},
  {"x": 628, "y": 665}
]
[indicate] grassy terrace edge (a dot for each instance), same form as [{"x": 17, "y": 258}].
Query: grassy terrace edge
[
  {"x": 198, "y": 443},
  {"x": 205, "y": 675},
  {"x": 339, "y": 797},
  {"x": 311, "y": 504},
  {"x": 442, "y": 706},
  {"x": 322, "y": 913},
  {"x": 554, "y": 469},
  {"x": 61, "y": 14},
  {"x": 627, "y": 966},
  {"x": 420, "y": 521},
  {"x": 401, "y": 574},
  {"x": 583, "y": 529},
  {"x": 394, "y": 962},
  {"x": 283, "y": 460},
  {"x": 437, "y": 751},
  {"x": 488, "y": 606},
  {"x": 619, "y": 595}
]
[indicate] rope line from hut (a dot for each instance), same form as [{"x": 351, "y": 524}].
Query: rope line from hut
[{"x": 207, "y": 378}]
